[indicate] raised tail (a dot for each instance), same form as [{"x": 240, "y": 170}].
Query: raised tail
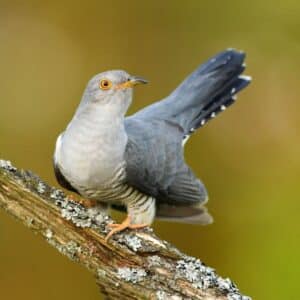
[{"x": 203, "y": 94}]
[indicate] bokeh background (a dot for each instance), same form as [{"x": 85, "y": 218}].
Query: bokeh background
[{"x": 249, "y": 157}]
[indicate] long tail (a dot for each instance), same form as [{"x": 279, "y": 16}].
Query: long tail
[{"x": 203, "y": 94}]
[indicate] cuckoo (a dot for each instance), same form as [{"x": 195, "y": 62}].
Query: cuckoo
[{"x": 136, "y": 163}]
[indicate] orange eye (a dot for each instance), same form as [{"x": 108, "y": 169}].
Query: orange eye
[{"x": 105, "y": 84}]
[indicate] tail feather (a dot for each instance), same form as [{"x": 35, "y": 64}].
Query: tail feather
[
  {"x": 193, "y": 214},
  {"x": 219, "y": 103},
  {"x": 203, "y": 94}
]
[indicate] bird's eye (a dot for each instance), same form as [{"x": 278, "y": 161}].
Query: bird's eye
[{"x": 105, "y": 84}]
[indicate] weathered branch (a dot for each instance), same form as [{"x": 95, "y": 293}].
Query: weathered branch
[{"x": 133, "y": 265}]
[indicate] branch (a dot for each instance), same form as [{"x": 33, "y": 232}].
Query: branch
[{"x": 132, "y": 265}]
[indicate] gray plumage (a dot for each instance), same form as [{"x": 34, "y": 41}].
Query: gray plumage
[{"x": 137, "y": 162}]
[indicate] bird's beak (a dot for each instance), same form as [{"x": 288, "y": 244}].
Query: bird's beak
[{"x": 132, "y": 81}]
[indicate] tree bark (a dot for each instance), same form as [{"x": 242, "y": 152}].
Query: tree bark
[{"x": 132, "y": 265}]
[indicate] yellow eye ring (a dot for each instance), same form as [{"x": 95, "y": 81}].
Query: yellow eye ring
[{"x": 105, "y": 84}]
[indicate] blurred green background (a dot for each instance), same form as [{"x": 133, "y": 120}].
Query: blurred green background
[{"x": 249, "y": 157}]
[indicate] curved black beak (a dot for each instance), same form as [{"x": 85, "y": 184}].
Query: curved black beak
[{"x": 134, "y": 80}]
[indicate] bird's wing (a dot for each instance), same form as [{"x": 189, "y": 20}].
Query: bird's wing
[{"x": 155, "y": 166}]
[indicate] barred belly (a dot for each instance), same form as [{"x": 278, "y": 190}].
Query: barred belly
[{"x": 140, "y": 207}]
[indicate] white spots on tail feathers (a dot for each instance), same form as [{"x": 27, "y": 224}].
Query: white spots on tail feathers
[
  {"x": 245, "y": 77},
  {"x": 185, "y": 139},
  {"x": 221, "y": 107},
  {"x": 187, "y": 136},
  {"x": 212, "y": 115}
]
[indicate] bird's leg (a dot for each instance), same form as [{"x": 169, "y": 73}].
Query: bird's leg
[
  {"x": 87, "y": 203},
  {"x": 120, "y": 227},
  {"x": 140, "y": 214}
]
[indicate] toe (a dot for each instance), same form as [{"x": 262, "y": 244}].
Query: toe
[
  {"x": 113, "y": 225},
  {"x": 137, "y": 226}
]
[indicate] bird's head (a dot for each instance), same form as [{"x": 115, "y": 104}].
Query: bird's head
[{"x": 111, "y": 89}]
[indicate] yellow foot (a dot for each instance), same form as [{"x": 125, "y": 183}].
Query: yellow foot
[
  {"x": 88, "y": 203},
  {"x": 120, "y": 227}
]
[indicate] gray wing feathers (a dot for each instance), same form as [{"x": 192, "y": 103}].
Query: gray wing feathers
[
  {"x": 186, "y": 186},
  {"x": 155, "y": 165}
]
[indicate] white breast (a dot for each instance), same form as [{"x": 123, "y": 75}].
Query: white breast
[{"x": 90, "y": 151}]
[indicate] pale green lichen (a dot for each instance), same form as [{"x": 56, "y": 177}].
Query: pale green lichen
[
  {"x": 71, "y": 249},
  {"x": 133, "y": 275},
  {"x": 204, "y": 277},
  {"x": 154, "y": 261},
  {"x": 48, "y": 234},
  {"x": 161, "y": 295},
  {"x": 57, "y": 194},
  {"x": 133, "y": 242},
  {"x": 237, "y": 296},
  {"x": 6, "y": 165},
  {"x": 101, "y": 273},
  {"x": 41, "y": 188},
  {"x": 78, "y": 214}
]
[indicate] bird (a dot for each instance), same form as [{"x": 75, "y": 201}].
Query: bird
[{"x": 136, "y": 163}]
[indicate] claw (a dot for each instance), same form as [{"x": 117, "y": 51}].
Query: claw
[
  {"x": 114, "y": 225},
  {"x": 120, "y": 227}
]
